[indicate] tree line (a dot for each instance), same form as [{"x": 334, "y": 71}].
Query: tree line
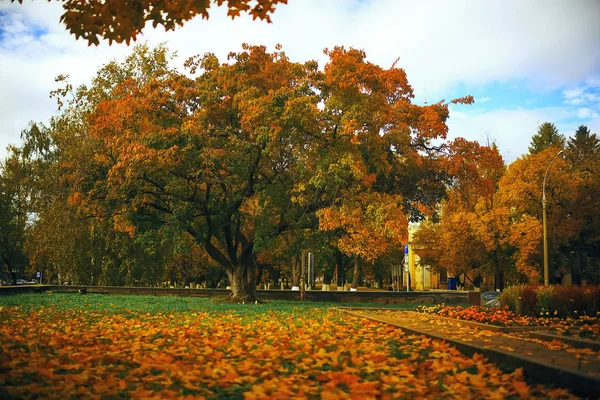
[
  {"x": 233, "y": 168},
  {"x": 491, "y": 219}
]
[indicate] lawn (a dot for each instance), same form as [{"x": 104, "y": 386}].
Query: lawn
[{"x": 98, "y": 346}]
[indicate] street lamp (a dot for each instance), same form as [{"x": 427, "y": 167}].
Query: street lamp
[{"x": 544, "y": 220}]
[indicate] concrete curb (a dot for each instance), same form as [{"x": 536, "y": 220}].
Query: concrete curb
[
  {"x": 579, "y": 384},
  {"x": 480, "y": 325},
  {"x": 490, "y": 327},
  {"x": 573, "y": 342}
]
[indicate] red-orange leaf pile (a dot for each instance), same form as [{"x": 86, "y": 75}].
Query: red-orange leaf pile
[
  {"x": 485, "y": 315},
  {"x": 53, "y": 353},
  {"x": 584, "y": 326}
]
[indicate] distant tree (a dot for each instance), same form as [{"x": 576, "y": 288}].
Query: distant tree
[
  {"x": 583, "y": 150},
  {"x": 521, "y": 191},
  {"x": 13, "y": 215},
  {"x": 584, "y": 146},
  {"x": 546, "y": 136},
  {"x": 471, "y": 235}
]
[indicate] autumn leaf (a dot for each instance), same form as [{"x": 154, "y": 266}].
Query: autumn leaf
[{"x": 200, "y": 355}]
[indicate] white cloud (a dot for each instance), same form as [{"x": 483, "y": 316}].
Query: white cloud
[
  {"x": 510, "y": 129},
  {"x": 594, "y": 125},
  {"x": 573, "y": 93},
  {"x": 576, "y": 101},
  {"x": 593, "y": 82},
  {"x": 482, "y": 100},
  {"x": 588, "y": 93},
  {"x": 440, "y": 45},
  {"x": 585, "y": 113},
  {"x": 583, "y": 98}
]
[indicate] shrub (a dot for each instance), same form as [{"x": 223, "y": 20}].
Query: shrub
[
  {"x": 528, "y": 300},
  {"x": 545, "y": 300},
  {"x": 511, "y": 298},
  {"x": 592, "y": 300},
  {"x": 563, "y": 300},
  {"x": 580, "y": 300},
  {"x": 596, "y": 303},
  {"x": 553, "y": 301}
]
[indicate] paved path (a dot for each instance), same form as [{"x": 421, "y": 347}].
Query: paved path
[{"x": 549, "y": 362}]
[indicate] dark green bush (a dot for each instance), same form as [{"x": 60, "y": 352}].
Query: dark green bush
[
  {"x": 553, "y": 301},
  {"x": 545, "y": 300}
]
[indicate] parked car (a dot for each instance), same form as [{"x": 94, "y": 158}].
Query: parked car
[
  {"x": 489, "y": 295},
  {"x": 490, "y": 298},
  {"x": 21, "y": 281}
]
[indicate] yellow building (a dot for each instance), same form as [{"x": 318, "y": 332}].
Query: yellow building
[{"x": 421, "y": 276}]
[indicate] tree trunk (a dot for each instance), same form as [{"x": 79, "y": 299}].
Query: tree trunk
[
  {"x": 464, "y": 280},
  {"x": 274, "y": 274},
  {"x": 259, "y": 274},
  {"x": 498, "y": 275},
  {"x": 576, "y": 273},
  {"x": 303, "y": 277},
  {"x": 356, "y": 274},
  {"x": 243, "y": 282},
  {"x": 327, "y": 276},
  {"x": 341, "y": 278},
  {"x": 13, "y": 274},
  {"x": 295, "y": 271},
  {"x": 477, "y": 280}
]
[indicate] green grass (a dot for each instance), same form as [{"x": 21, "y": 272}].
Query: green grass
[{"x": 165, "y": 304}]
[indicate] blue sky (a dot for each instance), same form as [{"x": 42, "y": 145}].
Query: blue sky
[
  {"x": 525, "y": 62},
  {"x": 500, "y": 105}
]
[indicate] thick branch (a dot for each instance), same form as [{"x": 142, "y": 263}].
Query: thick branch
[{"x": 216, "y": 255}]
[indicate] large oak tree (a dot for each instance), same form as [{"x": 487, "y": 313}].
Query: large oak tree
[{"x": 254, "y": 147}]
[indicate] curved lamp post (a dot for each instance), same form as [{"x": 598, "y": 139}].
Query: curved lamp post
[{"x": 544, "y": 220}]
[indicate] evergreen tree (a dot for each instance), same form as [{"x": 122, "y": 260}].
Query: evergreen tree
[
  {"x": 584, "y": 146},
  {"x": 546, "y": 136},
  {"x": 583, "y": 150}
]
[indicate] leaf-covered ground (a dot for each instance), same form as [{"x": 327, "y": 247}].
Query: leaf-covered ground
[
  {"x": 562, "y": 354},
  {"x": 586, "y": 327},
  {"x": 62, "y": 346}
]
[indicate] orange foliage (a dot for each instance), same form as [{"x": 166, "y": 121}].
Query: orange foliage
[
  {"x": 124, "y": 21},
  {"x": 256, "y": 146},
  {"x": 383, "y": 166},
  {"x": 521, "y": 192},
  {"x": 206, "y": 355},
  {"x": 373, "y": 224},
  {"x": 526, "y": 236},
  {"x": 472, "y": 227}
]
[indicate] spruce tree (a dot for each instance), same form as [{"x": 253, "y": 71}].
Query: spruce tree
[
  {"x": 546, "y": 136},
  {"x": 583, "y": 146}
]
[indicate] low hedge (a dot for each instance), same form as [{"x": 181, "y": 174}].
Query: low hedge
[{"x": 554, "y": 301}]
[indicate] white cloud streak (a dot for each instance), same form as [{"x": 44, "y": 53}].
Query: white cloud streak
[{"x": 510, "y": 129}]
